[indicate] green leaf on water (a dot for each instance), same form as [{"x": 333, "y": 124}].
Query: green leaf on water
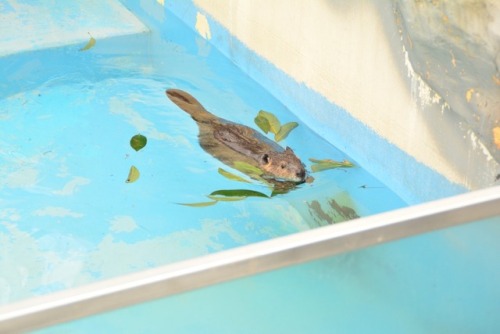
[
  {"x": 199, "y": 204},
  {"x": 90, "y": 44},
  {"x": 238, "y": 193},
  {"x": 274, "y": 123},
  {"x": 262, "y": 123},
  {"x": 285, "y": 130},
  {"x": 138, "y": 142},
  {"x": 232, "y": 176},
  {"x": 227, "y": 198},
  {"x": 133, "y": 175},
  {"x": 320, "y": 165},
  {"x": 248, "y": 169}
]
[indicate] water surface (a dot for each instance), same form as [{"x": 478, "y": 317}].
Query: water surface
[{"x": 67, "y": 216}]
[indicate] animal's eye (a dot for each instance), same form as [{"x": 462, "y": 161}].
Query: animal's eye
[{"x": 265, "y": 159}]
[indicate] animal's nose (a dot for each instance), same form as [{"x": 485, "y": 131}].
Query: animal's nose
[{"x": 301, "y": 174}]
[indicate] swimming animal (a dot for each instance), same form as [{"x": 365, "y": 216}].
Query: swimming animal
[{"x": 231, "y": 142}]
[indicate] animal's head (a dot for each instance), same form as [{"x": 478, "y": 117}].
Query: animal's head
[{"x": 283, "y": 165}]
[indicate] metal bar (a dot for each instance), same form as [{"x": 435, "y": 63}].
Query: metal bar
[{"x": 247, "y": 260}]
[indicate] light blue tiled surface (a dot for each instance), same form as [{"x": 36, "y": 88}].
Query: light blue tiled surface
[{"x": 38, "y": 24}]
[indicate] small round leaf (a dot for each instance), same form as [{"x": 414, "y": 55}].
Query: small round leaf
[{"x": 138, "y": 142}]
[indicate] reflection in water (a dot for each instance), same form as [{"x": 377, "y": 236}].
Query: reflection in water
[{"x": 335, "y": 212}]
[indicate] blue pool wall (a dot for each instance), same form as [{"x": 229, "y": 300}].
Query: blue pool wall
[
  {"x": 402, "y": 173},
  {"x": 441, "y": 282}
]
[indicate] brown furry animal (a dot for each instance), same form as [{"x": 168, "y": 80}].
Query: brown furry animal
[{"x": 230, "y": 142}]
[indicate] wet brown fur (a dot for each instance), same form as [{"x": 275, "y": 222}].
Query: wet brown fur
[{"x": 230, "y": 142}]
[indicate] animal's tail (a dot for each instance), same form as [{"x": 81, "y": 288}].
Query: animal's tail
[{"x": 189, "y": 104}]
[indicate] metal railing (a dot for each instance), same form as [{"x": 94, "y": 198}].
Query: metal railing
[{"x": 247, "y": 260}]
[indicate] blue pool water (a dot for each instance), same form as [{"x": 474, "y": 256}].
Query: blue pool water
[{"x": 66, "y": 118}]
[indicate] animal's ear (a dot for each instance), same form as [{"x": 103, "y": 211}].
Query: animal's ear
[
  {"x": 265, "y": 159},
  {"x": 288, "y": 150}
]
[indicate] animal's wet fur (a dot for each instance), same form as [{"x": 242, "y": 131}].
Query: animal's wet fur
[{"x": 231, "y": 142}]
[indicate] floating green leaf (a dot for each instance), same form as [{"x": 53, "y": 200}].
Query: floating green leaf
[
  {"x": 238, "y": 193},
  {"x": 274, "y": 123},
  {"x": 227, "y": 198},
  {"x": 232, "y": 176},
  {"x": 248, "y": 169},
  {"x": 90, "y": 44},
  {"x": 200, "y": 204},
  {"x": 285, "y": 130},
  {"x": 138, "y": 142},
  {"x": 320, "y": 165},
  {"x": 344, "y": 163},
  {"x": 133, "y": 175},
  {"x": 262, "y": 123}
]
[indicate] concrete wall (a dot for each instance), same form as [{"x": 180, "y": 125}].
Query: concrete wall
[
  {"x": 360, "y": 55},
  {"x": 454, "y": 47}
]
